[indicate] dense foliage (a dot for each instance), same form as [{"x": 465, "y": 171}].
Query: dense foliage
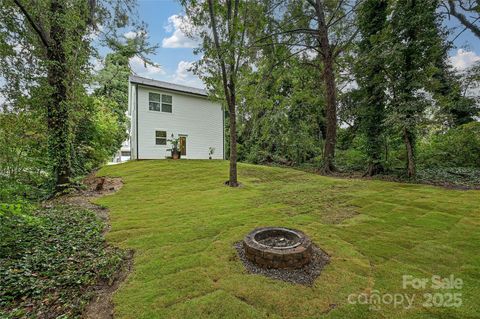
[
  {"x": 457, "y": 147},
  {"x": 401, "y": 106},
  {"x": 22, "y": 156},
  {"x": 60, "y": 120},
  {"x": 55, "y": 130},
  {"x": 48, "y": 259}
]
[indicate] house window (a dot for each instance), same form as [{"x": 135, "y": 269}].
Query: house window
[
  {"x": 166, "y": 103},
  {"x": 160, "y": 102},
  {"x": 160, "y": 137},
  {"x": 154, "y": 102}
]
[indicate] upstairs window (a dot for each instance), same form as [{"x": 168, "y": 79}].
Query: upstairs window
[
  {"x": 160, "y": 137},
  {"x": 160, "y": 102},
  {"x": 154, "y": 102},
  {"x": 166, "y": 103}
]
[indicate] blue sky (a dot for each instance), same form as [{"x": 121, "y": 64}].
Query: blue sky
[{"x": 175, "y": 52}]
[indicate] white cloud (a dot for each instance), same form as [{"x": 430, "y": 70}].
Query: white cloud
[
  {"x": 150, "y": 71},
  {"x": 130, "y": 35},
  {"x": 97, "y": 64},
  {"x": 183, "y": 75},
  {"x": 178, "y": 25},
  {"x": 464, "y": 59}
]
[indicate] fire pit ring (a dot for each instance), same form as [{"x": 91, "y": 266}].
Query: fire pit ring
[{"x": 278, "y": 248}]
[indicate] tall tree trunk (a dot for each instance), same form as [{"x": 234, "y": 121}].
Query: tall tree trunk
[
  {"x": 330, "y": 88},
  {"x": 408, "y": 130},
  {"x": 371, "y": 20},
  {"x": 233, "y": 182},
  {"x": 374, "y": 118},
  {"x": 58, "y": 117},
  {"x": 229, "y": 90},
  {"x": 409, "y": 145}
]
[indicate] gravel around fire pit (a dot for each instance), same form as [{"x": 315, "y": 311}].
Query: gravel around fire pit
[{"x": 304, "y": 276}]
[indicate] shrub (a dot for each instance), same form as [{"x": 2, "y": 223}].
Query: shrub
[
  {"x": 49, "y": 258},
  {"x": 99, "y": 135},
  {"x": 24, "y": 171},
  {"x": 350, "y": 160},
  {"x": 458, "y": 147}
]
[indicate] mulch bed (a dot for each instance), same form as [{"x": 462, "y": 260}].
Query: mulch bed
[{"x": 303, "y": 276}]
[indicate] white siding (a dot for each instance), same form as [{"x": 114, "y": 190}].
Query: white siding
[{"x": 194, "y": 116}]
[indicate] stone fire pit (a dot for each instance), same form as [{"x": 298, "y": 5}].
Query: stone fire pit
[{"x": 278, "y": 248}]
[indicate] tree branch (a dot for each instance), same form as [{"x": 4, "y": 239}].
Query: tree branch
[
  {"x": 463, "y": 19},
  {"x": 218, "y": 49},
  {"x": 340, "y": 3},
  {"x": 330, "y": 24},
  {"x": 346, "y": 43},
  {"x": 37, "y": 27}
]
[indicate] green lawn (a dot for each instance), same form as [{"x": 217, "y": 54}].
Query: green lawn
[{"x": 182, "y": 222}]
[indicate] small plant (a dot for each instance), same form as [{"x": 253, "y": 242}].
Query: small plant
[
  {"x": 174, "y": 150},
  {"x": 211, "y": 150}
]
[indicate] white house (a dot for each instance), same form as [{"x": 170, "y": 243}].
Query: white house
[
  {"x": 123, "y": 153},
  {"x": 159, "y": 109}
]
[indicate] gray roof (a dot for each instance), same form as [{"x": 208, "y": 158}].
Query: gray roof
[{"x": 167, "y": 85}]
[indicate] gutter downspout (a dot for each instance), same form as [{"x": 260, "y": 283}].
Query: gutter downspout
[{"x": 136, "y": 116}]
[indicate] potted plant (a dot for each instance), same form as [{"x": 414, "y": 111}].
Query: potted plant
[
  {"x": 211, "y": 150},
  {"x": 175, "y": 150}
]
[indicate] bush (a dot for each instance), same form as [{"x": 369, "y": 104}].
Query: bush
[
  {"x": 350, "y": 160},
  {"x": 49, "y": 258},
  {"x": 459, "y": 147},
  {"x": 24, "y": 171},
  {"x": 353, "y": 158},
  {"x": 99, "y": 135}
]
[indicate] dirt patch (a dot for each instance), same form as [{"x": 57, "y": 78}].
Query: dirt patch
[
  {"x": 304, "y": 276},
  {"x": 93, "y": 187},
  {"x": 101, "y": 305}
]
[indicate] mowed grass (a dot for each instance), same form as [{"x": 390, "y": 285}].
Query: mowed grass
[{"x": 182, "y": 223}]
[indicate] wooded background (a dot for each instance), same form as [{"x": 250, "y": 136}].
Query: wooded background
[{"x": 337, "y": 86}]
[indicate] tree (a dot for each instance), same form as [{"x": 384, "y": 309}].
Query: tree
[
  {"x": 111, "y": 81},
  {"x": 57, "y": 41},
  {"x": 226, "y": 29},
  {"x": 53, "y": 40},
  {"x": 324, "y": 27},
  {"x": 327, "y": 57},
  {"x": 416, "y": 44},
  {"x": 454, "y": 106},
  {"x": 281, "y": 116},
  {"x": 370, "y": 77}
]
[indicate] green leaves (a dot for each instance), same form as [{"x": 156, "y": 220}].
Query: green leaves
[{"x": 48, "y": 259}]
